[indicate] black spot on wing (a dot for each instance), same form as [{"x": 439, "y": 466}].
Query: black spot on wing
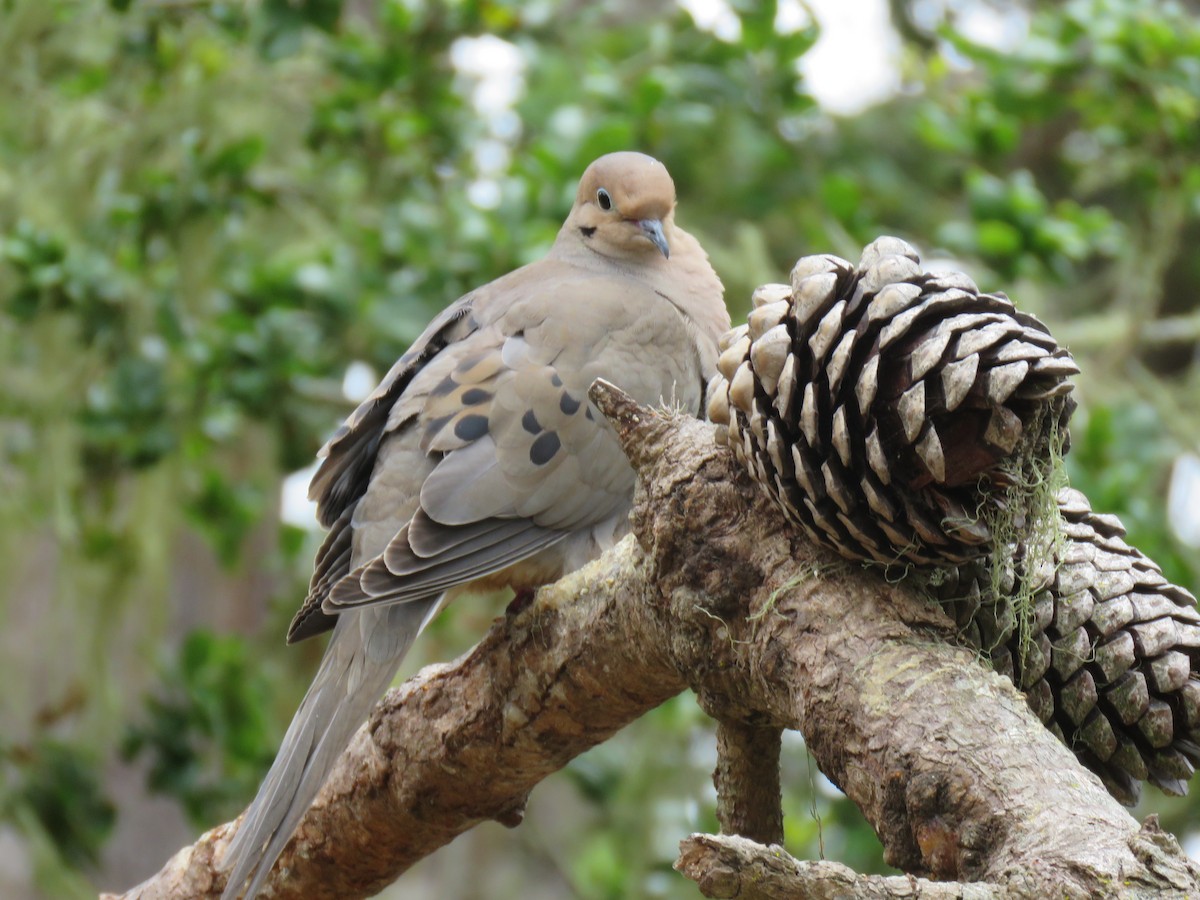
[
  {"x": 544, "y": 448},
  {"x": 568, "y": 404},
  {"x": 555, "y": 380},
  {"x": 471, "y": 428},
  {"x": 530, "y": 423},
  {"x": 444, "y": 387},
  {"x": 475, "y": 396},
  {"x": 588, "y": 412}
]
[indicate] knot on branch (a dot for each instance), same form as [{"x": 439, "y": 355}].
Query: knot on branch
[
  {"x": 641, "y": 431},
  {"x": 694, "y": 507}
]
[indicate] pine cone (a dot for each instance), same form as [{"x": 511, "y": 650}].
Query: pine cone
[
  {"x": 1109, "y": 658},
  {"x": 903, "y": 417},
  {"x": 884, "y": 408}
]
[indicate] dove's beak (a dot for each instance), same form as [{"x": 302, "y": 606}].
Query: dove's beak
[{"x": 652, "y": 228}]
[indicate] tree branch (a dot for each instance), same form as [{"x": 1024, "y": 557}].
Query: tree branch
[
  {"x": 954, "y": 772},
  {"x": 461, "y": 743},
  {"x": 726, "y": 867},
  {"x": 749, "y": 798}
]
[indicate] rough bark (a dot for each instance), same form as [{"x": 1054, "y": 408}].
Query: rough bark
[
  {"x": 461, "y": 743},
  {"x": 749, "y": 796},
  {"x": 730, "y": 866},
  {"x": 957, "y": 776}
]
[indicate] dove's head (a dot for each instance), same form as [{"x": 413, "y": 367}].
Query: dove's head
[{"x": 625, "y": 207}]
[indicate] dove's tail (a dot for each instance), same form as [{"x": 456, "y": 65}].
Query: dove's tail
[{"x": 359, "y": 664}]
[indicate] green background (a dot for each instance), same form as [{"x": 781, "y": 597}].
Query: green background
[{"x": 208, "y": 210}]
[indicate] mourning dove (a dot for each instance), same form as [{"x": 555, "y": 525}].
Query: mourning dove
[{"x": 480, "y": 462}]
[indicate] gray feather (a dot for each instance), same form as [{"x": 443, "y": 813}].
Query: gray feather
[
  {"x": 363, "y": 655},
  {"x": 377, "y": 585}
]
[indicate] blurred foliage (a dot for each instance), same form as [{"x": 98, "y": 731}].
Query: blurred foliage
[
  {"x": 205, "y": 729},
  {"x": 1119, "y": 457},
  {"x": 639, "y": 810},
  {"x": 57, "y": 785},
  {"x": 207, "y": 210}
]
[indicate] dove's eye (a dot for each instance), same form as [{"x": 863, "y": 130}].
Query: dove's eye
[{"x": 603, "y": 200}]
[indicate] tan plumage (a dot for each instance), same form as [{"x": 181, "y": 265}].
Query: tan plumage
[{"x": 480, "y": 461}]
